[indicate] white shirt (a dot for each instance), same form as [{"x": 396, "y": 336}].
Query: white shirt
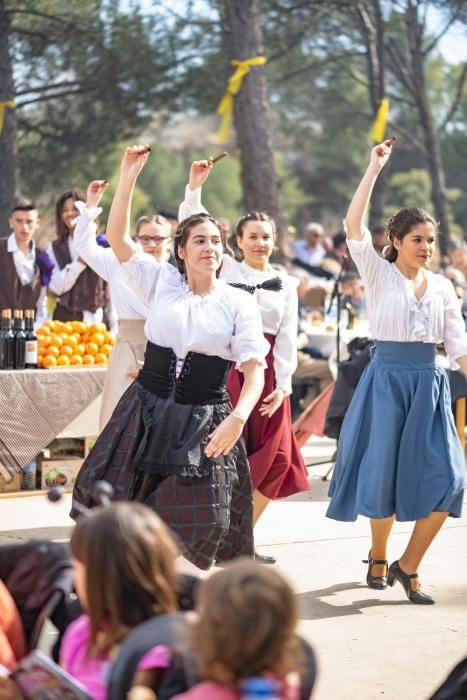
[
  {"x": 105, "y": 263},
  {"x": 63, "y": 280},
  {"x": 223, "y": 323},
  {"x": 279, "y": 310},
  {"x": 279, "y": 314},
  {"x": 394, "y": 313},
  {"x": 25, "y": 265},
  {"x": 310, "y": 256}
]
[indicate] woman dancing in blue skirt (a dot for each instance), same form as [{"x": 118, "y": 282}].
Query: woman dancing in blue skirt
[{"x": 399, "y": 456}]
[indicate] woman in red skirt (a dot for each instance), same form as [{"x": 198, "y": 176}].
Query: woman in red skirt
[{"x": 276, "y": 465}]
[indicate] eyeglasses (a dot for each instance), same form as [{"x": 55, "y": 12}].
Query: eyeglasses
[{"x": 155, "y": 240}]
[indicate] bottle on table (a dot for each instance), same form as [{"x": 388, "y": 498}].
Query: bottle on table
[
  {"x": 31, "y": 341},
  {"x": 7, "y": 341},
  {"x": 20, "y": 339},
  {"x": 254, "y": 688}
]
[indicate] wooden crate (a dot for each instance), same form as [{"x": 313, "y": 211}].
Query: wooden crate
[{"x": 59, "y": 472}]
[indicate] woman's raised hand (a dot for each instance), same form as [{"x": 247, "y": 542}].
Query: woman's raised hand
[
  {"x": 134, "y": 160},
  {"x": 380, "y": 154},
  {"x": 94, "y": 193},
  {"x": 199, "y": 173}
]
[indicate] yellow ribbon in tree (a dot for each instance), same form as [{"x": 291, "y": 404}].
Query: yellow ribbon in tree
[
  {"x": 226, "y": 105},
  {"x": 3, "y": 105},
  {"x": 378, "y": 128}
]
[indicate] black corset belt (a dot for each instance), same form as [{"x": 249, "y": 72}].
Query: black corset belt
[{"x": 201, "y": 380}]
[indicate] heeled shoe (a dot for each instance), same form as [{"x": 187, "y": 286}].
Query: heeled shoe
[
  {"x": 395, "y": 573},
  {"x": 377, "y": 582},
  {"x": 263, "y": 559}
]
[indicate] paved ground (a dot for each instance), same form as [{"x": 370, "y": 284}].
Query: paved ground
[{"x": 370, "y": 644}]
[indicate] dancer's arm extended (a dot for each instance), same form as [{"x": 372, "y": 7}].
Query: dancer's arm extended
[
  {"x": 118, "y": 226},
  {"x": 356, "y": 214},
  {"x": 224, "y": 437}
]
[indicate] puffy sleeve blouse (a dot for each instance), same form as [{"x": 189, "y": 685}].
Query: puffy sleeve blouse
[
  {"x": 394, "y": 312},
  {"x": 279, "y": 314},
  {"x": 222, "y": 323}
]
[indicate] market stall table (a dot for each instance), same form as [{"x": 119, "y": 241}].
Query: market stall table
[{"x": 37, "y": 405}]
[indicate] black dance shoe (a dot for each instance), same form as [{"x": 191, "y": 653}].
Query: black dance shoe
[
  {"x": 377, "y": 582},
  {"x": 395, "y": 573},
  {"x": 263, "y": 559}
]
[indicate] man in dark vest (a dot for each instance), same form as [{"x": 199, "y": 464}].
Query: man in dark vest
[{"x": 24, "y": 270}]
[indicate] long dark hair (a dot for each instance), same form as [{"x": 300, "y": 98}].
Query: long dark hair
[
  {"x": 399, "y": 225},
  {"x": 76, "y": 195},
  {"x": 182, "y": 234},
  {"x": 255, "y": 216},
  {"x": 129, "y": 556}
]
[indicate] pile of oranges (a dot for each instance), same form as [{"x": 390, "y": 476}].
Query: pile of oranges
[{"x": 73, "y": 343}]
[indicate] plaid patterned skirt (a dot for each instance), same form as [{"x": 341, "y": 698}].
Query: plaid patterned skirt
[{"x": 208, "y": 508}]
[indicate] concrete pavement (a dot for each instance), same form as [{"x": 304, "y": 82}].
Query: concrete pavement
[{"x": 369, "y": 644}]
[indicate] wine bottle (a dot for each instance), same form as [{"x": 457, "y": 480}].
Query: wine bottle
[
  {"x": 7, "y": 341},
  {"x": 20, "y": 339},
  {"x": 31, "y": 341}
]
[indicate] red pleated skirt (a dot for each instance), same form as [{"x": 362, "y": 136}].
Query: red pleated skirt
[{"x": 276, "y": 465}]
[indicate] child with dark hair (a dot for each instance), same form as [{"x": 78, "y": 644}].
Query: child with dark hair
[
  {"x": 246, "y": 629},
  {"x": 124, "y": 566},
  {"x": 399, "y": 456}
]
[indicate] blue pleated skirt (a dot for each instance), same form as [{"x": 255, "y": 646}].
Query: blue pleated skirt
[{"x": 398, "y": 450}]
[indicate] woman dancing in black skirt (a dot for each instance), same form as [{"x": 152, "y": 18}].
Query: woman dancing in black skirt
[{"x": 173, "y": 441}]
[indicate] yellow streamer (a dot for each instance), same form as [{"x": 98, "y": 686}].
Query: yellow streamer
[
  {"x": 3, "y": 105},
  {"x": 378, "y": 128},
  {"x": 226, "y": 105}
]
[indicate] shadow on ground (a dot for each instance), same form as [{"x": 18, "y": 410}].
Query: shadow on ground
[{"x": 312, "y": 606}]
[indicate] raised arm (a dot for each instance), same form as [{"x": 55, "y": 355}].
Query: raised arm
[
  {"x": 118, "y": 226},
  {"x": 356, "y": 214},
  {"x": 199, "y": 173}
]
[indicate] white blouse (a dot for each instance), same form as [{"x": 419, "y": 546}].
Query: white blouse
[
  {"x": 279, "y": 310},
  {"x": 279, "y": 314},
  {"x": 394, "y": 313},
  {"x": 221, "y": 323},
  {"x": 105, "y": 263}
]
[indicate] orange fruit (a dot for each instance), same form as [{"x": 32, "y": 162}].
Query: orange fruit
[
  {"x": 66, "y": 350},
  {"x": 78, "y": 327},
  {"x": 73, "y": 340},
  {"x": 45, "y": 330},
  {"x": 58, "y": 325},
  {"x": 40, "y": 361},
  {"x": 106, "y": 349},
  {"x": 92, "y": 349},
  {"x": 88, "y": 360},
  {"x": 63, "y": 360},
  {"x": 76, "y": 360},
  {"x": 56, "y": 341},
  {"x": 85, "y": 337},
  {"x": 101, "y": 359},
  {"x": 80, "y": 349},
  {"x": 52, "y": 351},
  {"x": 97, "y": 338},
  {"x": 98, "y": 328},
  {"x": 50, "y": 324},
  {"x": 64, "y": 336},
  {"x": 49, "y": 361},
  {"x": 68, "y": 328},
  {"x": 109, "y": 338}
]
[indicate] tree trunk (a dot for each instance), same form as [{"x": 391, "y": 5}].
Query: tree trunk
[
  {"x": 243, "y": 39},
  {"x": 8, "y": 135},
  {"x": 372, "y": 26},
  {"x": 430, "y": 134}
]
